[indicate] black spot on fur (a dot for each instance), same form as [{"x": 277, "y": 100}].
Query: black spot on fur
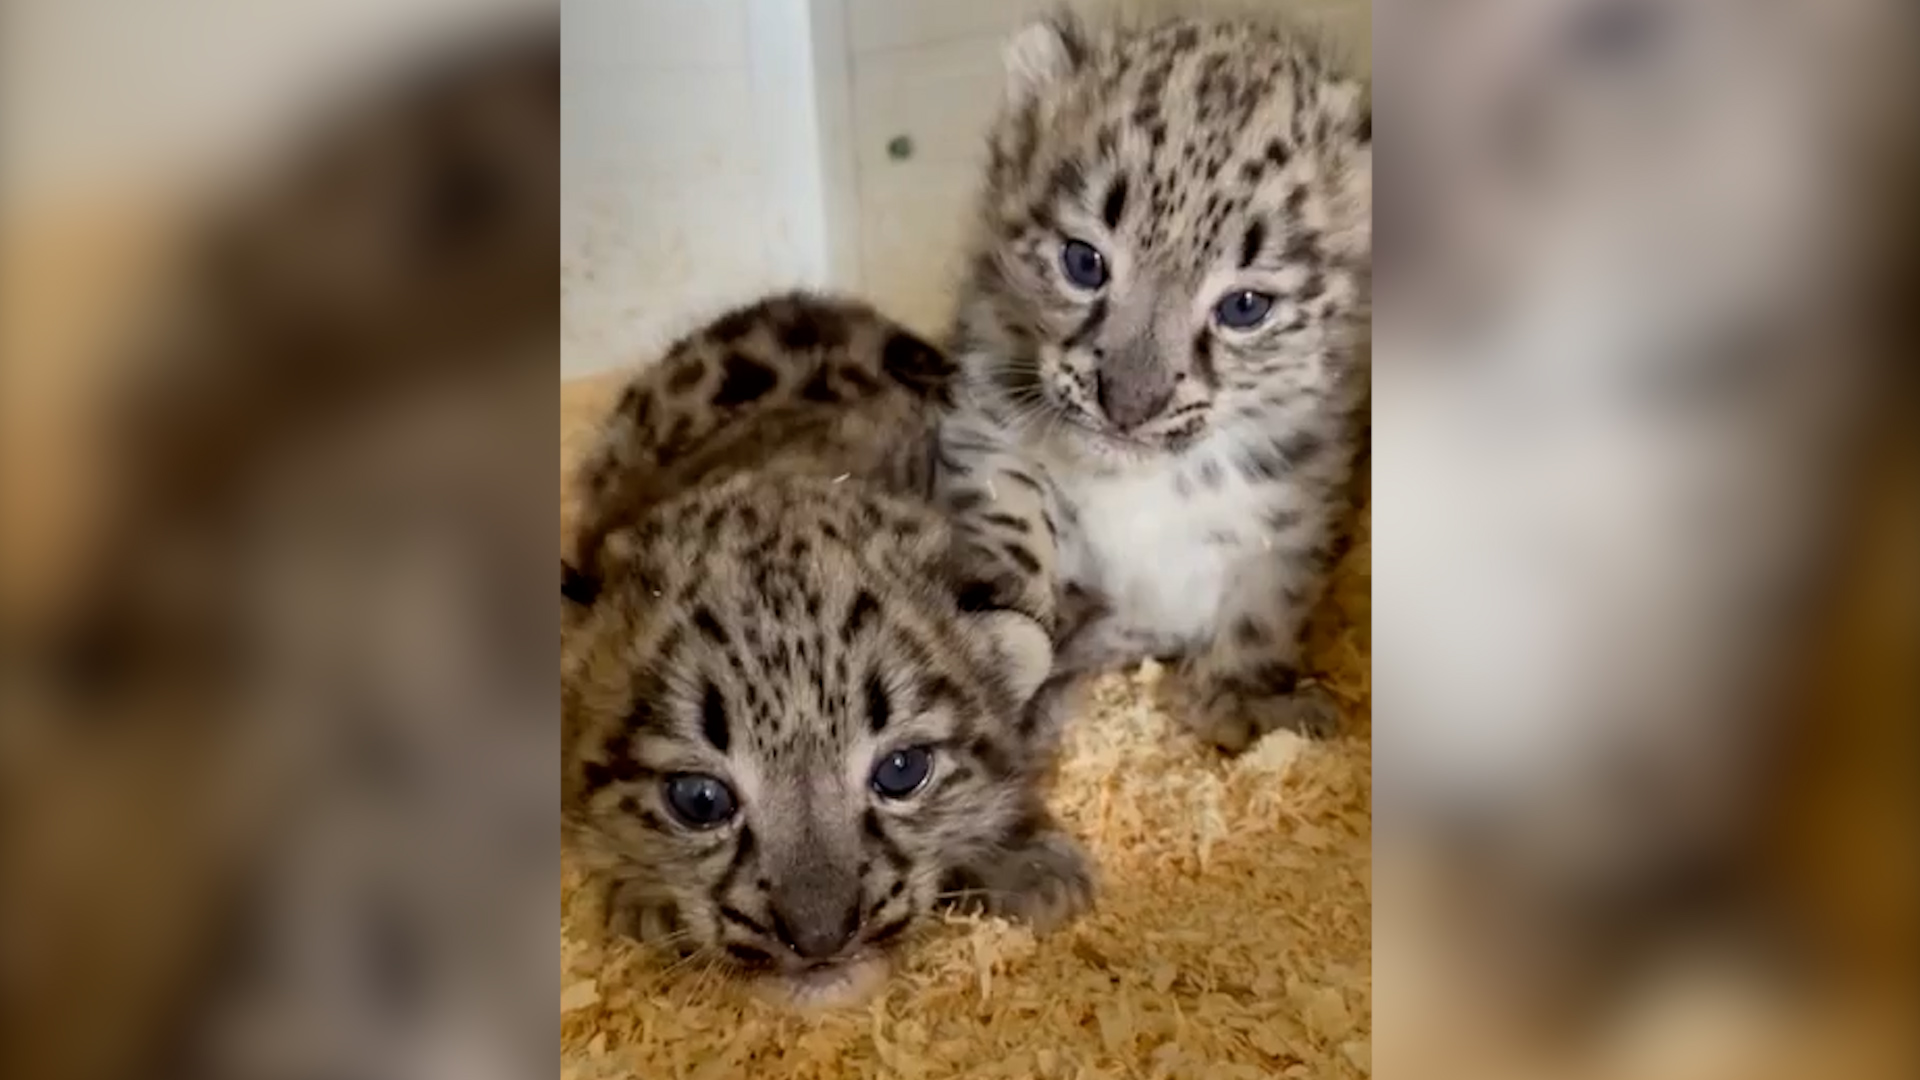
[
  {"x": 685, "y": 373},
  {"x": 1274, "y": 460},
  {"x": 637, "y": 404},
  {"x": 735, "y": 915},
  {"x": 1203, "y": 359},
  {"x": 746, "y": 381},
  {"x": 742, "y": 851},
  {"x": 1072, "y": 39},
  {"x": 1278, "y": 152},
  {"x": 1302, "y": 446},
  {"x": 877, "y": 833},
  {"x": 713, "y": 718},
  {"x": 1023, "y": 558},
  {"x": 1013, "y": 522},
  {"x": 750, "y": 956},
  {"x": 976, "y": 596},
  {"x": 991, "y": 757},
  {"x": 1067, "y": 183},
  {"x": 1296, "y": 203},
  {"x": 879, "y": 709},
  {"x": 940, "y": 690},
  {"x": 1264, "y": 463},
  {"x": 858, "y": 378},
  {"x": 1249, "y": 633},
  {"x": 1025, "y": 481},
  {"x": 914, "y": 363},
  {"x": 1364, "y": 129},
  {"x": 1116, "y": 204},
  {"x": 1283, "y": 520},
  {"x": 597, "y": 776},
  {"x": 865, "y": 609},
  {"x": 1091, "y": 326},
  {"x": 709, "y": 626},
  {"x": 577, "y": 587},
  {"x": 735, "y": 325},
  {"x": 1252, "y": 242}
]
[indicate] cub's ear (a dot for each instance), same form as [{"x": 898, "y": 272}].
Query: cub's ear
[
  {"x": 1042, "y": 54},
  {"x": 1017, "y": 647},
  {"x": 577, "y": 588},
  {"x": 1349, "y": 235}
]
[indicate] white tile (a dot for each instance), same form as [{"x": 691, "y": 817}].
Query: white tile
[
  {"x": 886, "y": 24},
  {"x": 942, "y": 97},
  {"x": 913, "y": 236},
  {"x": 642, "y": 263},
  {"x": 685, "y": 124},
  {"x": 599, "y": 35}
]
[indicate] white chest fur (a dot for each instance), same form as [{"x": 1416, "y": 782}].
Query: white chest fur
[{"x": 1165, "y": 542}]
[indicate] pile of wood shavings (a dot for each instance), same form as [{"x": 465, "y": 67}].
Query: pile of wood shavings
[{"x": 1230, "y": 937}]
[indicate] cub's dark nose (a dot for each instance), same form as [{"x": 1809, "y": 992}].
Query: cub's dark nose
[
  {"x": 818, "y": 927},
  {"x": 1129, "y": 400}
]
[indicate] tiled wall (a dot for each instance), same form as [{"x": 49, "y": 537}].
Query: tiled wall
[{"x": 690, "y": 167}]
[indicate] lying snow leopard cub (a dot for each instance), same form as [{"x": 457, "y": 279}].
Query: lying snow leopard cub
[
  {"x": 784, "y": 741},
  {"x": 1163, "y": 339}
]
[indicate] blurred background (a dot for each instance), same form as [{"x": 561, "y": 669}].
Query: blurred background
[
  {"x": 277, "y": 771},
  {"x": 1645, "y": 605}
]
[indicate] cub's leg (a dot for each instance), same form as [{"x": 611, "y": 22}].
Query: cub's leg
[
  {"x": 1005, "y": 550},
  {"x": 1246, "y": 682},
  {"x": 1041, "y": 876}
]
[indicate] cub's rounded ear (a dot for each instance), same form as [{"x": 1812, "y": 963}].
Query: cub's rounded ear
[
  {"x": 577, "y": 588},
  {"x": 1349, "y": 235},
  {"x": 1042, "y": 54},
  {"x": 1018, "y": 648}
]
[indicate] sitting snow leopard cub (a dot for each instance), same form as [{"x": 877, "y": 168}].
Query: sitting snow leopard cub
[
  {"x": 784, "y": 741},
  {"x": 1162, "y": 334}
]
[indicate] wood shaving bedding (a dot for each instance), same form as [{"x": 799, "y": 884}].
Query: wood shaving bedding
[{"x": 1230, "y": 937}]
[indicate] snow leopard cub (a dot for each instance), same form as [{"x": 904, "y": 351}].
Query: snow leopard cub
[
  {"x": 784, "y": 741},
  {"x": 1163, "y": 335}
]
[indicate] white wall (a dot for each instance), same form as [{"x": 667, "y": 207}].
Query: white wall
[{"x": 690, "y": 167}]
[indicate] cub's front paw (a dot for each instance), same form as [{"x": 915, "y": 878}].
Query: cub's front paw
[
  {"x": 1233, "y": 716},
  {"x": 625, "y": 911},
  {"x": 1045, "y": 882}
]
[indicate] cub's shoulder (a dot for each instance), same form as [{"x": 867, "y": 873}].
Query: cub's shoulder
[{"x": 796, "y": 383}]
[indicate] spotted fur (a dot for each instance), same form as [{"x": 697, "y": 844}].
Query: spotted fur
[
  {"x": 1122, "y": 452},
  {"x": 761, "y": 596}
]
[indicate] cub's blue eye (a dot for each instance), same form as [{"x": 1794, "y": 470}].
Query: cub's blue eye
[
  {"x": 902, "y": 772},
  {"x": 1243, "y": 309},
  {"x": 700, "y": 801},
  {"x": 1083, "y": 265}
]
